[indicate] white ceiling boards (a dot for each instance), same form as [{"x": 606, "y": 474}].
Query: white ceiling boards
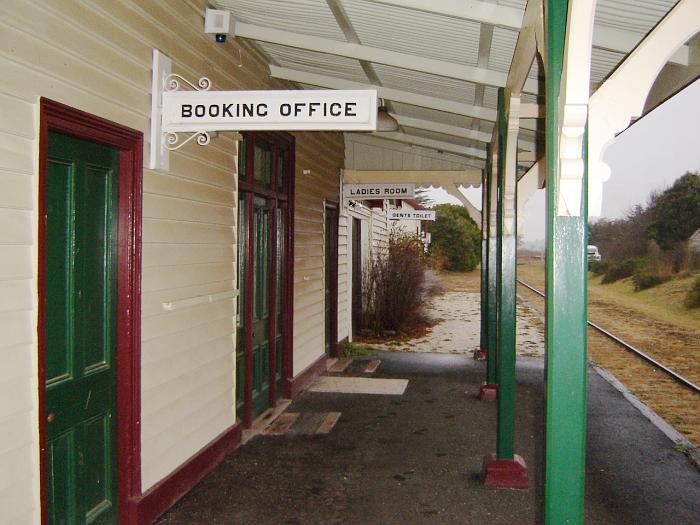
[{"x": 436, "y": 63}]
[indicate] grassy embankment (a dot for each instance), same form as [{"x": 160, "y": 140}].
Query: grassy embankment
[{"x": 654, "y": 321}]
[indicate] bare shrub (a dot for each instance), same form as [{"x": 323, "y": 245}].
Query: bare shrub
[{"x": 392, "y": 284}]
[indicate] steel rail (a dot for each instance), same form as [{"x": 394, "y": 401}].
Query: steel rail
[{"x": 679, "y": 378}]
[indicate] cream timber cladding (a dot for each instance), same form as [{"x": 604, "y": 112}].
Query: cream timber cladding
[
  {"x": 319, "y": 158},
  {"x": 344, "y": 263},
  {"x": 96, "y": 56}
]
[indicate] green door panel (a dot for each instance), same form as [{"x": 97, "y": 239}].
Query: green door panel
[
  {"x": 279, "y": 325},
  {"x": 241, "y": 313},
  {"x": 261, "y": 306},
  {"x": 261, "y": 229},
  {"x": 80, "y": 330}
]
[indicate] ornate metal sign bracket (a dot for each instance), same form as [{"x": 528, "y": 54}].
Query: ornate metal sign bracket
[
  {"x": 173, "y": 141},
  {"x": 163, "y": 142}
]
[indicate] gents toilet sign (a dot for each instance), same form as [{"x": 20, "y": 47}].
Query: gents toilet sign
[
  {"x": 378, "y": 191},
  {"x": 196, "y": 111},
  {"x": 414, "y": 215}
]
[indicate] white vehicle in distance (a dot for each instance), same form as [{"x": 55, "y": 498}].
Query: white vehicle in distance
[{"x": 593, "y": 253}]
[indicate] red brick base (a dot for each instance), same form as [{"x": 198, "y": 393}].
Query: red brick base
[
  {"x": 505, "y": 473},
  {"x": 488, "y": 392}
]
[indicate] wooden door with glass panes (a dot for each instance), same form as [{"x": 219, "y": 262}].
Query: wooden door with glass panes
[{"x": 265, "y": 168}]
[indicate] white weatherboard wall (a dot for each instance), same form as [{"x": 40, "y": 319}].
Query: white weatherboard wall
[
  {"x": 96, "y": 56},
  {"x": 319, "y": 159},
  {"x": 374, "y": 232},
  {"x": 344, "y": 276}
]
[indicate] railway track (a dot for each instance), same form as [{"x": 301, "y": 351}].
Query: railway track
[{"x": 630, "y": 348}]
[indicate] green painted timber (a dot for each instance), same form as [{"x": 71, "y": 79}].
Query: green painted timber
[
  {"x": 505, "y": 368},
  {"x": 483, "y": 334},
  {"x": 80, "y": 331},
  {"x": 241, "y": 318},
  {"x": 490, "y": 282},
  {"x": 261, "y": 305},
  {"x": 493, "y": 272},
  {"x": 279, "y": 325},
  {"x": 566, "y": 366}
]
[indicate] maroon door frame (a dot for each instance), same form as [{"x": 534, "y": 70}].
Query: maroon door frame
[
  {"x": 64, "y": 119},
  {"x": 281, "y": 143}
]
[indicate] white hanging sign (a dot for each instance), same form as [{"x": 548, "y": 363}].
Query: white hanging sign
[
  {"x": 378, "y": 191},
  {"x": 193, "y": 111},
  {"x": 179, "y": 117},
  {"x": 413, "y": 215}
]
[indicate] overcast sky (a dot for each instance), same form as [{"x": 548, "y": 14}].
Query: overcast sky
[{"x": 648, "y": 156}]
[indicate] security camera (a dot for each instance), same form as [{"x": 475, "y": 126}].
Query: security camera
[{"x": 218, "y": 22}]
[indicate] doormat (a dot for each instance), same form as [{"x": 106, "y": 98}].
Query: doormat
[
  {"x": 303, "y": 424},
  {"x": 359, "y": 385}
]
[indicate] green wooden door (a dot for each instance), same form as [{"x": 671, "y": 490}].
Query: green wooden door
[
  {"x": 262, "y": 216},
  {"x": 279, "y": 279},
  {"x": 80, "y": 331},
  {"x": 241, "y": 318},
  {"x": 262, "y": 230}
]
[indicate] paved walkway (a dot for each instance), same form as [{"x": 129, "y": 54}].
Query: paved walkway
[{"x": 415, "y": 458}]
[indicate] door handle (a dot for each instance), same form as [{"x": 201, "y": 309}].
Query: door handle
[{"x": 50, "y": 417}]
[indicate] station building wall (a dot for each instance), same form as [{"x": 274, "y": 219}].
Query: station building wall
[{"x": 96, "y": 56}]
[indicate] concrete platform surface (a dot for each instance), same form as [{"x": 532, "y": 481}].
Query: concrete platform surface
[{"x": 417, "y": 458}]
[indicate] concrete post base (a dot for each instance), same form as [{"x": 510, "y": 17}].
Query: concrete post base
[
  {"x": 488, "y": 392},
  {"x": 505, "y": 473}
]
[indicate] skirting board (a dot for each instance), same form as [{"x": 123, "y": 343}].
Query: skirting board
[
  {"x": 300, "y": 382},
  {"x": 163, "y": 495}
]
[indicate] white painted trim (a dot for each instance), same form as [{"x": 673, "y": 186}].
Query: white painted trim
[
  {"x": 435, "y": 144},
  {"x": 159, "y": 155},
  {"x": 375, "y": 141},
  {"x": 608, "y": 38},
  {"x": 377, "y": 55},
  {"x": 622, "y": 41},
  {"x": 573, "y": 106},
  {"x": 471, "y": 209},
  {"x": 493, "y": 185},
  {"x": 397, "y": 95},
  {"x": 528, "y": 110},
  {"x": 419, "y": 178},
  {"x": 529, "y": 183},
  {"x": 195, "y": 301},
  {"x": 478, "y": 11},
  {"x": 511, "y": 165},
  {"x": 623, "y": 95},
  {"x": 441, "y": 104},
  {"x": 445, "y": 129},
  {"x": 525, "y": 50}
]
